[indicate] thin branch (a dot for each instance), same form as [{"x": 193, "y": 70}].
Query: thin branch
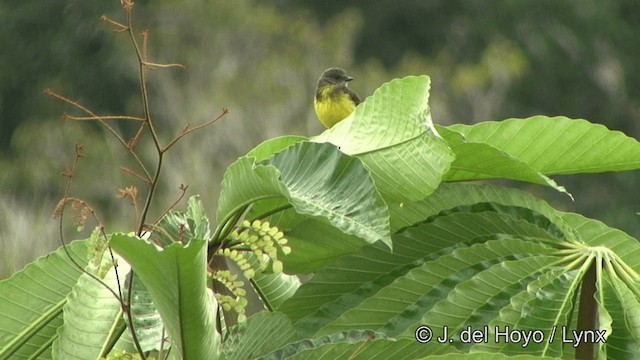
[
  {"x": 76, "y": 104},
  {"x": 129, "y": 313},
  {"x": 69, "y": 173},
  {"x": 101, "y": 117},
  {"x": 152, "y": 189},
  {"x": 121, "y": 27},
  {"x": 131, "y": 172},
  {"x": 183, "y": 188},
  {"x": 143, "y": 84},
  {"x": 52, "y": 93},
  {"x": 186, "y": 130},
  {"x": 152, "y": 65}
]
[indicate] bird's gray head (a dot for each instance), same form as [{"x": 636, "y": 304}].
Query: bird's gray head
[{"x": 335, "y": 76}]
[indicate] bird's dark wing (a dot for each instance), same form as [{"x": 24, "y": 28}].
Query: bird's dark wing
[{"x": 354, "y": 97}]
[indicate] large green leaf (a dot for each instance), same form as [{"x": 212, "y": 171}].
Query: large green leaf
[
  {"x": 558, "y": 145},
  {"x": 393, "y": 134},
  {"x": 420, "y": 290},
  {"x": 261, "y": 334},
  {"x": 478, "y": 161},
  {"x": 315, "y": 245},
  {"x": 270, "y": 147},
  {"x": 361, "y": 272},
  {"x": 355, "y": 278},
  {"x": 356, "y": 344},
  {"x": 176, "y": 277},
  {"x": 32, "y": 300},
  {"x": 318, "y": 181},
  {"x": 180, "y": 225},
  {"x": 91, "y": 313},
  {"x": 276, "y": 288},
  {"x": 450, "y": 196},
  {"x": 512, "y": 261},
  {"x": 623, "y": 339},
  {"x": 146, "y": 320}
]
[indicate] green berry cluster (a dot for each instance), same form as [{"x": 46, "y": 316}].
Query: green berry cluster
[
  {"x": 253, "y": 246},
  {"x": 261, "y": 239},
  {"x": 237, "y": 302}
]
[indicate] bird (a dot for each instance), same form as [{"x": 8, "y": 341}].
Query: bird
[{"x": 334, "y": 100}]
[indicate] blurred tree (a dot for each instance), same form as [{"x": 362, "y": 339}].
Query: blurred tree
[{"x": 57, "y": 44}]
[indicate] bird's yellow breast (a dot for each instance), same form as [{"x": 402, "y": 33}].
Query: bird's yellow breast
[{"x": 332, "y": 106}]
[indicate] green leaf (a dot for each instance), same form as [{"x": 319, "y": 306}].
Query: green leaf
[
  {"x": 90, "y": 314},
  {"x": 262, "y": 333},
  {"x": 393, "y": 134},
  {"x": 178, "y": 225},
  {"x": 558, "y": 145},
  {"x": 485, "y": 356},
  {"x": 360, "y": 345},
  {"x": 471, "y": 256},
  {"x": 355, "y": 278},
  {"x": 479, "y": 161},
  {"x": 316, "y": 244},
  {"x": 276, "y": 288},
  {"x": 450, "y": 196},
  {"x": 595, "y": 233},
  {"x": 272, "y": 146},
  {"x": 316, "y": 180},
  {"x": 32, "y": 300},
  {"x": 176, "y": 279},
  {"x": 623, "y": 334},
  {"x": 410, "y": 300},
  {"x": 146, "y": 320}
]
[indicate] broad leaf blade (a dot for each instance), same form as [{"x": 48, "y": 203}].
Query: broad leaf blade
[
  {"x": 179, "y": 225},
  {"x": 262, "y": 333},
  {"x": 90, "y": 315},
  {"x": 623, "y": 340},
  {"x": 449, "y": 196},
  {"x": 315, "y": 245},
  {"x": 396, "y": 112},
  {"x": 479, "y": 161},
  {"x": 405, "y": 303},
  {"x": 276, "y": 288},
  {"x": 357, "y": 277},
  {"x": 176, "y": 278},
  {"x": 558, "y": 145},
  {"x": 273, "y": 146},
  {"x": 32, "y": 301},
  {"x": 146, "y": 320},
  {"x": 393, "y": 134},
  {"x": 318, "y": 181}
]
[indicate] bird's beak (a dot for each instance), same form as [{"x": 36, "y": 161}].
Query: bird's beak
[{"x": 348, "y": 78}]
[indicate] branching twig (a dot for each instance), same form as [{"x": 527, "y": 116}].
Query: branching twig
[
  {"x": 102, "y": 121},
  {"x": 133, "y": 173},
  {"x": 146, "y": 176},
  {"x": 183, "y": 189},
  {"x": 187, "y": 130},
  {"x": 59, "y": 212},
  {"x": 101, "y": 117}
]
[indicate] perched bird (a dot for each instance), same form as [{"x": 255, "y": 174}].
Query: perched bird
[{"x": 334, "y": 101}]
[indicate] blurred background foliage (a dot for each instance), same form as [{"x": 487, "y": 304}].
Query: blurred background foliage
[{"x": 260, "y": 59}]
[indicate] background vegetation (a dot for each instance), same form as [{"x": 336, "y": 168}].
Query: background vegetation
[{"x": 487, "y": 60}]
